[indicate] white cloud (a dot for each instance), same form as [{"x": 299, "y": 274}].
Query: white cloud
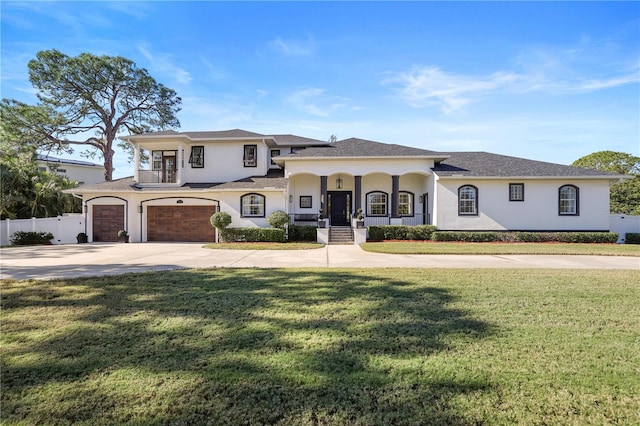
[
  {"x": 293, "y": 47},
  {"x": 313, "y": 101},
  {"x": 163, "y": 63}
]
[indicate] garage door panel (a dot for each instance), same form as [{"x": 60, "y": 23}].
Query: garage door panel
[
  {"x": 107, "y": 221},
  {"x": 180, "y": 223}
]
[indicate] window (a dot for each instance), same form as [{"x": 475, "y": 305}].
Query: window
[
  {"x": 252, "y": 205},
  {"x": 156, "y": 160},
  {"x": 306, "y": 201},
  {"x": 516, "y": 192},
  {"x": 376, "y": 204},
  {"x": 274, "y": 153},
  {"x": 568, "y": 200},
  {"x": 468, "y": 200},
  {"x": 405, "y": 206},
  {"x": 196, "y": 159},
  {"x": 250, "y": 155}
]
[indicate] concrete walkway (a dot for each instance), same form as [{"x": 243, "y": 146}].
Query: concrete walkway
[{"x": 77, "y": 260}]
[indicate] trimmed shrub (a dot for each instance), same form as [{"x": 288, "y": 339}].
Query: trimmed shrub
[
  {"x": 22, "y": 238},
  {"x": 253, "y": 235},
  {"x": 220, "y": 220},
  {"x": 469, "y": 237},
  {"x": 400, "y": 232},
  {"x": 302, "y": 233},
  {"x": 567, "y": 237},
  {"x": 278, "y": 219},
  {"x": 632, "y": 238}
]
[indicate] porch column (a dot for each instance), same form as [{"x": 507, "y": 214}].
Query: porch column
[
  {"x": 179, "y": 161},
  {"x": 136, "y": 162},
  {"x": 323, "y": 195},
  {"x": 358, "y": 194},
  {"x": 395, "y": 195}
]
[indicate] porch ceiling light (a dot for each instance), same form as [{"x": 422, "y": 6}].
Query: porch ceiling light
[{"x": 339, "y": 182}]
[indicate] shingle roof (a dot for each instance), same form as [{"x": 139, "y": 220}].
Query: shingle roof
[
  {"x": 273, "y": 180},
  {"x": 355, "y": 147},
  {"x": 48, "y": 159},
  {"x": 485, "y": 164}
]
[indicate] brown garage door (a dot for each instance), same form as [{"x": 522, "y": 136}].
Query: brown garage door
[
  {"x": 180, "y": 223},
  {"x": 107, "y": 221}
]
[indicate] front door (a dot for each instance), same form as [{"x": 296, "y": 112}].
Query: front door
[
  {"x": 169, "y": 169},
  {"x": 339, "y": 207}
]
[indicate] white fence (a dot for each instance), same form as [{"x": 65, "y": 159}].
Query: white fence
[
  {"x": 623, "y": 224},
  {"x": 65, "y": 228}
]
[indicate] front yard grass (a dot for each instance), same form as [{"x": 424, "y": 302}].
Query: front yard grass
[
  {"x": 311, "y": 346},
  {"x": 431, "y": 247}
]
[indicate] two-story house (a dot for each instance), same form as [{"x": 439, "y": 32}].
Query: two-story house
[
  {"x": 191, "y": 175},
  {"x": 83, "y": 172}
]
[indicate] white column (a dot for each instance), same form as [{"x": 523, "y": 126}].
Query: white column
[
  {"x": 136, "y": 162},
  {"x": 179, "y": 164}
]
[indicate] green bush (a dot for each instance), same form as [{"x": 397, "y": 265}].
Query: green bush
[
  {"x": 632, "y": 238},
  {"x": 220, "y": 220},
  {"x": 302, "y": 233},
  {"x": 22, "y": 238},
  {"x": 400, "y": 232},
  {"x": 278, "y": 219},
  {"x": 469, "y": 237},
  {"x": 567, "y": 237},
  {"x": 231, "y": 235}
]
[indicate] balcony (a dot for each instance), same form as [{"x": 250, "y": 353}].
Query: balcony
[{"x": 157, "y": 176}]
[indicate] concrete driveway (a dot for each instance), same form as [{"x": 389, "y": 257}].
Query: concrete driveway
[{"x": 78, "y": 260}]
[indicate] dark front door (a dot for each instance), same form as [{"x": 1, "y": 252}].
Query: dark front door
[{"x": 339, "y": 207}]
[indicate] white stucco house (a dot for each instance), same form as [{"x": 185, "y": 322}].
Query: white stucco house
[
  {"x": 83, "y": 172},
  {"x": 192, "y": 175}
]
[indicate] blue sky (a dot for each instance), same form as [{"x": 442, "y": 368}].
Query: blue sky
[{"x": 550, "y": 81}]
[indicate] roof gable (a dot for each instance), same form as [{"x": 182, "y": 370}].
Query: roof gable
[{"x": 354, "y": 147}]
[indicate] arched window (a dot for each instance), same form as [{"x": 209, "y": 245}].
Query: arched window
[
  {"x": 377, "y": 203},
  {"x": 568, "y": 200},
  {"x": 252, "y": 205},
  {"x": 468, "y": 200},
  {"x": 405, "y": 205}
]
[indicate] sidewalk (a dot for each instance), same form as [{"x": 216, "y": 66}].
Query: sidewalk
[{"x": 78, "y": 260}]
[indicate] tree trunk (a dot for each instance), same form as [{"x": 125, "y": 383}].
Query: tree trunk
[{"x": 108, "y": 164}]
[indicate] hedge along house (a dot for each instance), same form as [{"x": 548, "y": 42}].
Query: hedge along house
[{"x": 192, "y": 175}]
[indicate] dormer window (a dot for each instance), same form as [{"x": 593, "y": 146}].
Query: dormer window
[
  {"x": 250, "y": 155},
  {"x": 196, "y": 159}
]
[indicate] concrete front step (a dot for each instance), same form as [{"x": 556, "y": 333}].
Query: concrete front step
[{"x": 341, "y": 235}]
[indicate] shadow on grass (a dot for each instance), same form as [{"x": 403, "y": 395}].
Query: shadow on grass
[{"x": 234, "y": 347}]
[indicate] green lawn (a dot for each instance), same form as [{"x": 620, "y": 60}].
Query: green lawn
[
  {"x": 430, "y": 247},
  {"x": 338, "y": 347}
]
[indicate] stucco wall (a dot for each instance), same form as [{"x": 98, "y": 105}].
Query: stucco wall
[{"x": 538, "y": 211}]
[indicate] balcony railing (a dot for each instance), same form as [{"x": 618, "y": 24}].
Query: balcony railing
[{"x": 157, "y": 176}]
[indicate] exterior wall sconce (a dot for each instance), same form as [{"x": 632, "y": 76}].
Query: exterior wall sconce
[
  {"x": 291, "y": 198},
  {"x": 140, "y": 209},
  {"x": 339, "y": 182}
]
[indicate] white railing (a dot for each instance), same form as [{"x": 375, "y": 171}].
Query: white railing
[
  {"x": 157, "y": 176},
  {"x": 65, "y": 228}
]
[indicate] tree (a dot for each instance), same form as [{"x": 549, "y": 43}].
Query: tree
[
  {"x": 624, "y": 196},
  {"x": 91, "y": 99}
]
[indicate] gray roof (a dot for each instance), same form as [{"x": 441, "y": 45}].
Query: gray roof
[
  {"x": 485, "y": 164},
  {"x": 273, "y": 180},
  {"x": 284, "y": 140},
  {"x": 355, "y": 147},
  {"x": 49, "y": 159}
]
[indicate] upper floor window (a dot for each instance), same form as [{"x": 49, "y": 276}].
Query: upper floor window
[
  {"x": 196, "y": 159},
  {"x": 468, "y": 200},
  {"x": 250, "y": 155},
  {"x": 252, "y": 205},
  {"x": 516, "y": 192},
  {"x": 156, "y": 160},
  {"x": 377, "y": 204},
  {"x": 405, "y": 205},
  {"x": 274, "y": 153},
  {"x": 568, "y": 200}
]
